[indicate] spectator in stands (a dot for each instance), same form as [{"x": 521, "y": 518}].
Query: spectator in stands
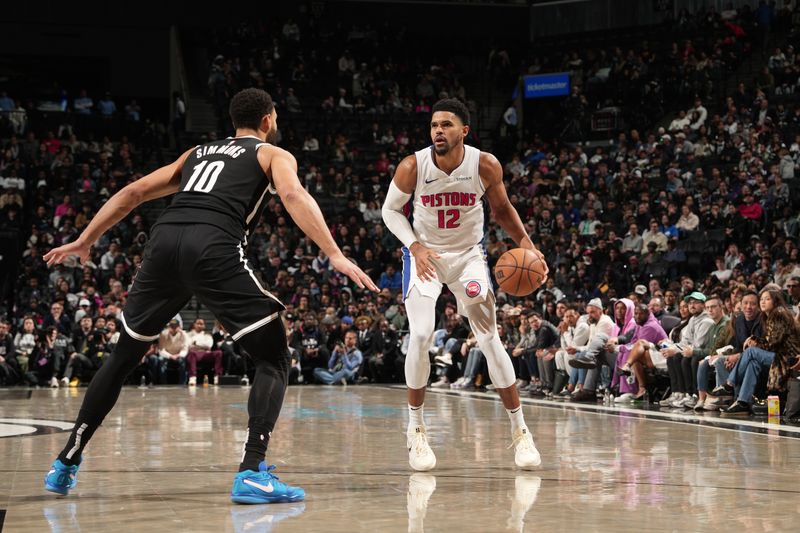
[
  {"x": 688, "y": 221},
  {"x": 24, "y": 344},
  {"x": 793, "y": 287},
  {"x": 8, "y": 374},
  {"x": 574, "y": 330},
  {"x": 343, "y": 365},
  {"x": 719, "y": 336},
  {"x": 200, "y": 346},
  {"x": 58, "y": 319},
  {"x": 641, "y": 353},
  {"x": 693, "y": 339},
  {"x": 383, "y": 352},
  {"x": 776, "y": 353},
  {"x": 172, "y": 349},
  {"x": 745, "y": 324},
  {"x": 106, "y": 106},
  {"x": 593, "y": 354},
  {"x": 654, "y": 234},
  {"x": 83, "y": 103},
  {"x": 391, "y": 279}
]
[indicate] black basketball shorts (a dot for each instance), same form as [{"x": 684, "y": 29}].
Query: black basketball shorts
[{"x": 181, "y": 260}]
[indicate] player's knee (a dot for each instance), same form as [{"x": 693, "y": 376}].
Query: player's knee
[
  {"x": 420, "y": 339},
  {"x": 485, "y": 338}
]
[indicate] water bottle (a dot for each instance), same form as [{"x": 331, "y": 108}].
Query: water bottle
[
  {"x": 205, "y": 380},
  {"x": 606, "y": 398},
  {"x": 143, "y": 383}
]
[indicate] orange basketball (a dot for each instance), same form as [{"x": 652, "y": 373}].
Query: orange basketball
[{"x": 519, "y": 272}]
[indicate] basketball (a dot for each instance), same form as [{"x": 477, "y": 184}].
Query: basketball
[{"x": 519, "y": 272}]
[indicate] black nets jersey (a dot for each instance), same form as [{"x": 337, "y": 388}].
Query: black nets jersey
[{"x": 222, "y": 184}]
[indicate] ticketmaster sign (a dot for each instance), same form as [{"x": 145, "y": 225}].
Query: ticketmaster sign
[{"x": 556, "y": 84}]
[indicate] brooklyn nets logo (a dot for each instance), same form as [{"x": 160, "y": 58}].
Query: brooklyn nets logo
[{"x": 18, "y": 427}]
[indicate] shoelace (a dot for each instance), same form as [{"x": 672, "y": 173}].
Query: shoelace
[
  {"x": 527, "y": 444},
  {"x": 270, "y": 476},
  {"x": 420, "y": 443}
]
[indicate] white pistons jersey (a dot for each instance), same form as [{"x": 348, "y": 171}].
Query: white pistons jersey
[{"x": 448, "y": 212}]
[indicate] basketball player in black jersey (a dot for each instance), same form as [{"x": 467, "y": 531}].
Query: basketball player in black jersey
[{"x": 196, "y": 248}]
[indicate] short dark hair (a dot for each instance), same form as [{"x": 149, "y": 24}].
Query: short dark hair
[
  {"x": 248, "y": 107},
  {"x": 453, "y": 106}
]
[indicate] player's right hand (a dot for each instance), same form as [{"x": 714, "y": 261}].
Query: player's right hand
[
  {"x": 351, "y": 270},
  {"x": 76, "y": 247},
  {"x": 422, "y": 258}
]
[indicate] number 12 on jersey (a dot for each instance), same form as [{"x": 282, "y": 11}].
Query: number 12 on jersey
[
  {"x": 207, "y": 176},
  {"x": 448, "y": 219}
]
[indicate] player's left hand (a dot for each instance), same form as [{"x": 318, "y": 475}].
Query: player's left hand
[
  {"x": 351, "y": 270},
  {"x": 77, "y": 247},
  {"x": 528, "y": 244}
]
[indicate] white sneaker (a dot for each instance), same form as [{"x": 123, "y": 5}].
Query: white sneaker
[
  {"x": 625, "y": 398},
  {"x": 65, "y": 382},
  {"x": 520, "y": 383},
  {"x": 458, "y": 383},
  {"x": 689, "y": 401},
  {"x": 678, "y": 401},
  {"x": 443, "y": 383},
  {"x": 444, "y": 360},
  {"x": 193, "y": 381},
  {"x": 666, "y": 402},
  {"x": 526, "y": 490},
  {"x": 525, "y": 453},
  {"x": 420, "y": 490},
  {"x": 420, "y": 455},
  {"x": 53, "y": 383}
]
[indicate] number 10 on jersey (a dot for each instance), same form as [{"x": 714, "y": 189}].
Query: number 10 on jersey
[
  {"x": 207, "y": 176},
  {"x": 448, "y": 219}
]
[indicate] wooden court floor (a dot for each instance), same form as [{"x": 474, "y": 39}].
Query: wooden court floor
[{"x": 164, "y": 461}]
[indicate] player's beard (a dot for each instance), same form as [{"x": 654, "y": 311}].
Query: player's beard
[
  {"x": 443, "y": 150},
  {"x": 272, "y": 134}
]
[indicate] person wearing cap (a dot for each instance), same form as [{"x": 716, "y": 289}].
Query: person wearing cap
[
  {"x": 592, "y": 355},
  {"x": 172, "y": 349},
  {"x": 694, "y": 338}
]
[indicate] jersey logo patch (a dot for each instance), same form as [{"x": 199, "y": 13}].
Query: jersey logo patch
[
  {"x": 473, "y": 289},
  {"x": 431, "y": 181}
]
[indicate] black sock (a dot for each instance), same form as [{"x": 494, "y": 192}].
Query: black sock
[
  {"x": 81, "y": 433},
  {"x": 255, "y": 449},
  {"x": 102, "y": 394},
  {"x": 268, "y": 389}
]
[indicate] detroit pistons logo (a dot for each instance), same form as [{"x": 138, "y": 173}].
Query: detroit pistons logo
[{"x": 473, "y": 289}]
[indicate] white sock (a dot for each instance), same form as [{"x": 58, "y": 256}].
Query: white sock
[
  {"x": 415, "y": 417},
  {"x": 517, "y": 420}
]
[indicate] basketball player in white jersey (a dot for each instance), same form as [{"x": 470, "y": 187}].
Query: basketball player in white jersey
[{"x": 448, "y": 180}]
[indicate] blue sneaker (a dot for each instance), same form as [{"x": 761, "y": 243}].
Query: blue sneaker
[
  {"x": 61, "y": 478},
  {"x": 263, "y": 487}
]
